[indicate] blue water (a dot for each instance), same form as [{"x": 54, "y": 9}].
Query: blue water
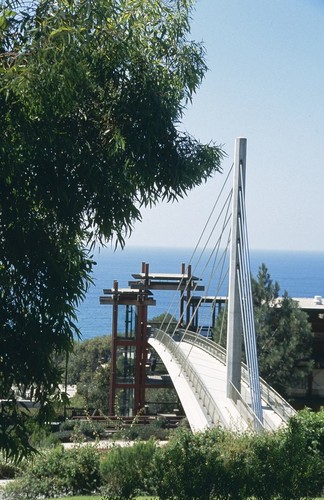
[{"x": 300, "y": 273}]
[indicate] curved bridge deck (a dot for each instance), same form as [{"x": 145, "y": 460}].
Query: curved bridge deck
[{"x": 198, "y": 371}]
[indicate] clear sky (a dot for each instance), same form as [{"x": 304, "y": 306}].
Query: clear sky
[{"x": 266, "y": 83}]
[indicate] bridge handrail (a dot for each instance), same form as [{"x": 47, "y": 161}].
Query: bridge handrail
[
  {"x": 276, "y": 402},
  {"x": 191, "y": 373},
  {"x": 220, "y": 353}
]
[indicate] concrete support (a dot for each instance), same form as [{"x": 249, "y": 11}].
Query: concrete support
[{"x": 234, "y": 322}]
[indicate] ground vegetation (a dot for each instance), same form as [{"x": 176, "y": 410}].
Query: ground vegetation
[{"x": 217, "y": 464}]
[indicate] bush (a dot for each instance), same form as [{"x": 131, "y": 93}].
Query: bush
[
  {"x": 8, "y": 471},
  {"x": 80, "y": 431},
  {"x": 311, "y": 425},
  {"x": 90, "y": 429},
  {"x": 125, "y": 470},
  {"x": 58, "y": 472},
  {"x": 188, "y": 466},
  {"x": 301, "y": 471},
  {"x": 144, "y": 432},
  {"x": 265, "y": 461},
  {"x": 286, "y": 465},
  {"x": 67, "y": 425},
  {"x": 64, "y": 436},
  {"x": 217, "y": 464}
]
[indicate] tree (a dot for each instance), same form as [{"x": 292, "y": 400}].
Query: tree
[
  {"x": 89, "y": 370},
  {"x": 283, "y": 335},
  {"x": 91, "y": 97},
  {"x": 87, "y": 356}
]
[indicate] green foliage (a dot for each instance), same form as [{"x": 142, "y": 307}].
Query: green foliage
[
  {"x": 217, "y": 464},
  {"x": 283, "y": 334},
  {"x": 125, "y": 471},
  {"x": 58, "y": 472},
  {"x": 165, "y": 321},
  {"x": 91, "y": 95},
  {"x": 89, "y": 369},
  {"x": 87, "y": 357},
  {"x": 79, "y": 431},
  {"x": 311, "y": 425},
  {"x": 156, "y": 429},
  {"x": 302, "y": 474},
  {"x": 161, "y": 400},
  {"x": 89, "y": 429},
  {"x": 220, "y": 464},
  {"x": 186, "y": 466},
  {"x": 43, "y": 437},
  {"x": 82, "y": 87},
  {"x": 7, "y": 470}
]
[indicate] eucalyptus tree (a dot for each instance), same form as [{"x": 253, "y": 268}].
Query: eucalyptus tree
[{"x": 92, "y": 93}]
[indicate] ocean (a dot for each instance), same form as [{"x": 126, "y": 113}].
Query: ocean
[{"x": 301, "y": 274}]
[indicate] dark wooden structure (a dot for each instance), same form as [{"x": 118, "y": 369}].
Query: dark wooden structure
[{"x": 130, "y": 331}]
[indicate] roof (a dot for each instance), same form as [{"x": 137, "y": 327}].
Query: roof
[
  {"x": 165, "y": 276},
  {"x": 315, "y": 303}
]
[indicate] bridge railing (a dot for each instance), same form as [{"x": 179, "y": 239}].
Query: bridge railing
[
  {"x": 276, "y": 402},
  {"x": 192, "y": 375},
  {"x": 219, "y": 353}
]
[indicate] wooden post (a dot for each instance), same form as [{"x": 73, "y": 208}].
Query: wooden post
[{"x": 112, "y": 393}]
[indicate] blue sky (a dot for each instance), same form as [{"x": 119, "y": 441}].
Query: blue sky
[{"x": 265, "y": 82}]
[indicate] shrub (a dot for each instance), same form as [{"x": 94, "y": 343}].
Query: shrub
[
  {"x": 301, "y": 471},
  {"x": 68, "y": 425},
  {"x": 64, "y": 436},
  {"x": 89, "y": 428},
  {"x": 265, "y": 462},
  {"x": 311, "y": 425},
  {"x": 232, "y": 476},
  {"x": 286, "y": 465},
  {"x": 125, "y": 470},
  {"x": 144, "y": 432},
  {"x": 7, "y": 470},
  {"x": 43, "y": 438},
  {"x": 188, "y": 466},
  {"x": 58, "y": 472}
]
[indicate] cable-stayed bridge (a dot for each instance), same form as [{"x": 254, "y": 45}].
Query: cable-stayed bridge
[
  {"x": 213, "y": 385},
  {"x": 197, "y": 367}
]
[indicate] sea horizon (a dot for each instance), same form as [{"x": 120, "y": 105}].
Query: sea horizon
[{"x": 299, "y": 272}]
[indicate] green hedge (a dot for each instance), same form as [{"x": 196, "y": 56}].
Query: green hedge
[
  {"x": 125, "y": 471},
  {"x": 217, "y": 464},
  {"x": 58, "y": 472},
  {"x": 285, "y": 465}
]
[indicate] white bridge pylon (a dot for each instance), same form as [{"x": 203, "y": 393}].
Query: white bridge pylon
[{"x": 213, "y": 385}]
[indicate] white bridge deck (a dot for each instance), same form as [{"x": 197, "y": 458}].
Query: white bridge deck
[{"x": 198, "y": 371}]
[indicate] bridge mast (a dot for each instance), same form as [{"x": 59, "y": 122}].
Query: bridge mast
[
  {"x": 234, "y": 322},
  {"x": 240, "y": 303}
]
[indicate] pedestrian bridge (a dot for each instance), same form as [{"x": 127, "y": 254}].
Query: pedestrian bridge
[
  {"x": 214, "y": 387},
  {"x": 197, "y": 367}
]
